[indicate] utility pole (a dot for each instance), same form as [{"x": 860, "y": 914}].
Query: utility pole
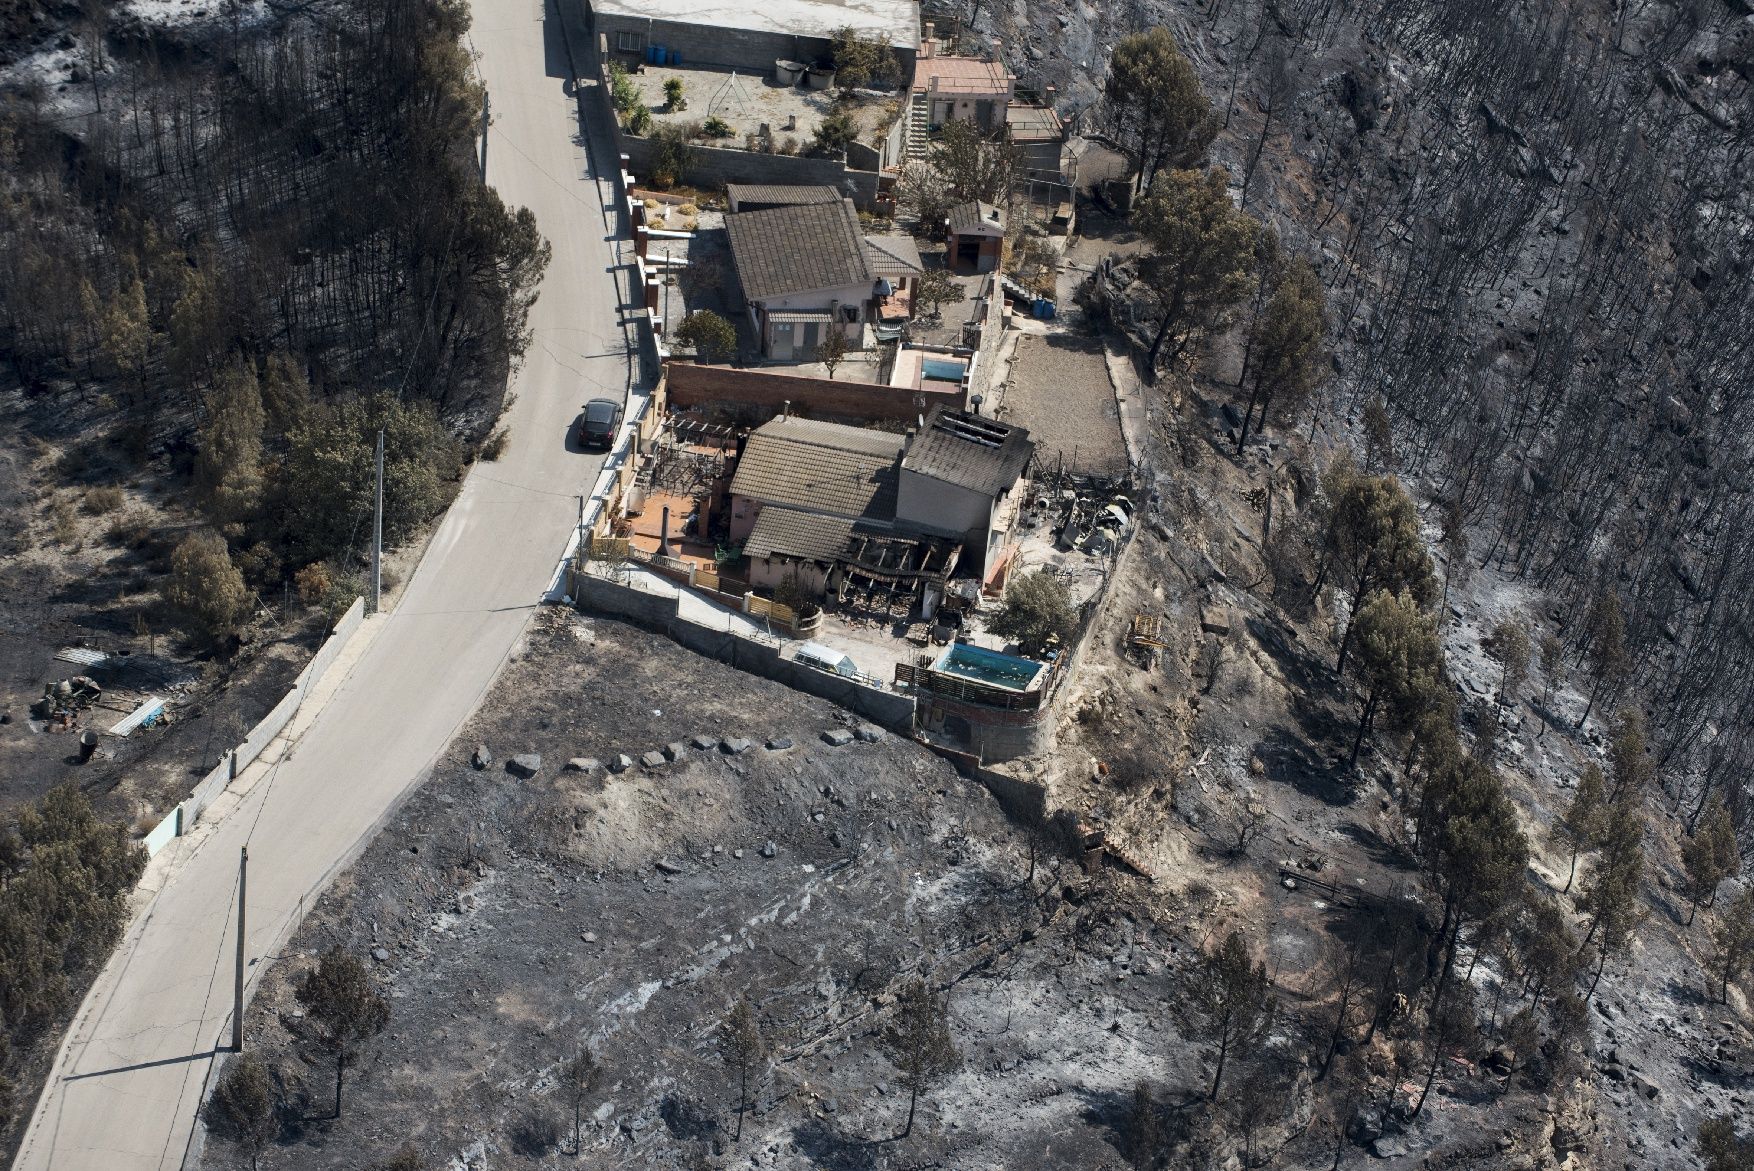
[
  {"x": 484, "y": 123},
  {"x": 237, "y": 988},
  {"x": 378, "y": 534}
]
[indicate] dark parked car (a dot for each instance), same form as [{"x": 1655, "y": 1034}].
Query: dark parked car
[{"x": 599, "y": 423}]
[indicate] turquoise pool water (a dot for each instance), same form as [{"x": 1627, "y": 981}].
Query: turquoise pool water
[
  {"x": 989, "y": 667},
  {"x": 942, "y": 370}
]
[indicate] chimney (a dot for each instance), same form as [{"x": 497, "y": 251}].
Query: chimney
[
  {"x": 929, "y": 41},
  {"x": 786, "y": 409},
  {"x": 664, "y": 549},
  {"x": 1049, "y": 95}
]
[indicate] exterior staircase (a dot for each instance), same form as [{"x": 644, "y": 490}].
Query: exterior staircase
[{"x": 918, "y": 127}]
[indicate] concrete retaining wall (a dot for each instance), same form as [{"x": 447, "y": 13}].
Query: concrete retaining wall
[
  {"x": 164, "y": 831},
  {"x": 264, "y": 732},
  {"x": 763, "y": 393},
  {"x": 758, "y": 656},
  {"x": 210, "y": 787},
  {"x": 185, "y": 816},
  {"x": 326, "y": 654}
]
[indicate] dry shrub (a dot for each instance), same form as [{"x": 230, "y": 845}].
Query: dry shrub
[
  {"x": 314, "y": 583},
  {"x": 494, "y": 445},
  {"x": 64, "y": 521},
  {"x": 101, "y": 501},
  {"x": 131, "y": 530}
]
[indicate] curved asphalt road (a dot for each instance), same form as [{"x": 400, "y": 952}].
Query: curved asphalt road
[{"x": 127, "y": 1081}]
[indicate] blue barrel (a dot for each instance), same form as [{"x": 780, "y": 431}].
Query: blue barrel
[{"x": 676, "y": 57}]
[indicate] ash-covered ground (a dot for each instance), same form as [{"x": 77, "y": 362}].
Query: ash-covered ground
[{"x": 509, "y": 918}]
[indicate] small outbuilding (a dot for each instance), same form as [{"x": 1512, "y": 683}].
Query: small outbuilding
[{"x": 975, "y": 233}]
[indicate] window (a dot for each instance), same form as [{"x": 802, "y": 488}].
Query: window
[
  {"x": 630, "y": 42},
  {"x": 849, "y": 314}
]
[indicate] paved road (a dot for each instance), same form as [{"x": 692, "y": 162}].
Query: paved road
[{"x": 128, "y": 1080}]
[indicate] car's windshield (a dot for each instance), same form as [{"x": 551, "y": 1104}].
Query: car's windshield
[{"x": 599, "y": 412}]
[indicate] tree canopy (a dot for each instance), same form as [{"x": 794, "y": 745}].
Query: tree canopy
[
  {"x": 1202, "y": 251},
  {"x": 1037, "y": 613},
  {"x": 1155, "y": 103},
  {"x": 1285, "y": 345},
  {"x": 918, "y": 1043}
]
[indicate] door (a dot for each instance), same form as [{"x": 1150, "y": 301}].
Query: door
[
  {"x": 812, "y": 338},
  {"x": 780, "y": 345}
]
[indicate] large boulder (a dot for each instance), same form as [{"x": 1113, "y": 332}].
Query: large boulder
[{"x": 525, "y": 764}]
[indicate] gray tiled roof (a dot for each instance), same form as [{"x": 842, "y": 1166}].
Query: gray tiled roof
[
  {"x": 787, "y": 532},
  {"x": 784, "y": 250},
  {"x": 970, "y": 451},
  {"x": 894, "y": 256},
  {"x": 823, "y": 468},
  {"x": 779, "y": 194},
  {"x": 975, "y": 216}
]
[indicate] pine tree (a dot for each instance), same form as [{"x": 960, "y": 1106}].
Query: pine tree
[
  {"x": 1708, "y": 856},
  {"x": 1606, "y": 649},
  {"x": 243, "y": 1107},
  {"x": 1154, "y": 100},
  {"x": 1734, "y": 938},
  {"x": 228, "y": 468},
  {"x": 742, "y": 1048},
  {"x": 919, "y": 1044},
  {"x": 1629, "y": 764},
  {"x": 1510, "y": 646},
  {"x": 1202, "y": 250},
  {"x": 1474, "y": 852},
  {"x": 1373, "y": 538},
  {"x": 579, "y": 1076},
  {"x": 1611, "y": 899},
  {"x": 1400, "y": 661},
  {"x": 1230, "y": 1006},
  {"x": 339, "y": 996},
  {"x": 1721, "y": 1148},
  {"x": 1144, "y": 1129},
  {"x": 1286, "y": 346},
  {"x": 1583, "y": 820}
]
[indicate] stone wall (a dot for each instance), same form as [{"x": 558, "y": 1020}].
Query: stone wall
[{"x": 759, "y": 395}]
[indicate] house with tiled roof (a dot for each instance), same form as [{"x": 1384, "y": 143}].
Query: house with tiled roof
[
  {"x": 815, "y": 502},
  {"x": 805, "y": 273},
  {"x": 807, "y": 270}
]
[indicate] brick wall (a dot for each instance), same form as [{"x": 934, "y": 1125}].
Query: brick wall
[{"x": 762, "y": 393}]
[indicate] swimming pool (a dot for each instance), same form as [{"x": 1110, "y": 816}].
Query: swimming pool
[
  {"x": 942, "y": 370},
  {"x": 989, "y": 667}
]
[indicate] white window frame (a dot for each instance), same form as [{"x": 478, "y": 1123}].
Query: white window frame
[{"x": 627, "y": 41}]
